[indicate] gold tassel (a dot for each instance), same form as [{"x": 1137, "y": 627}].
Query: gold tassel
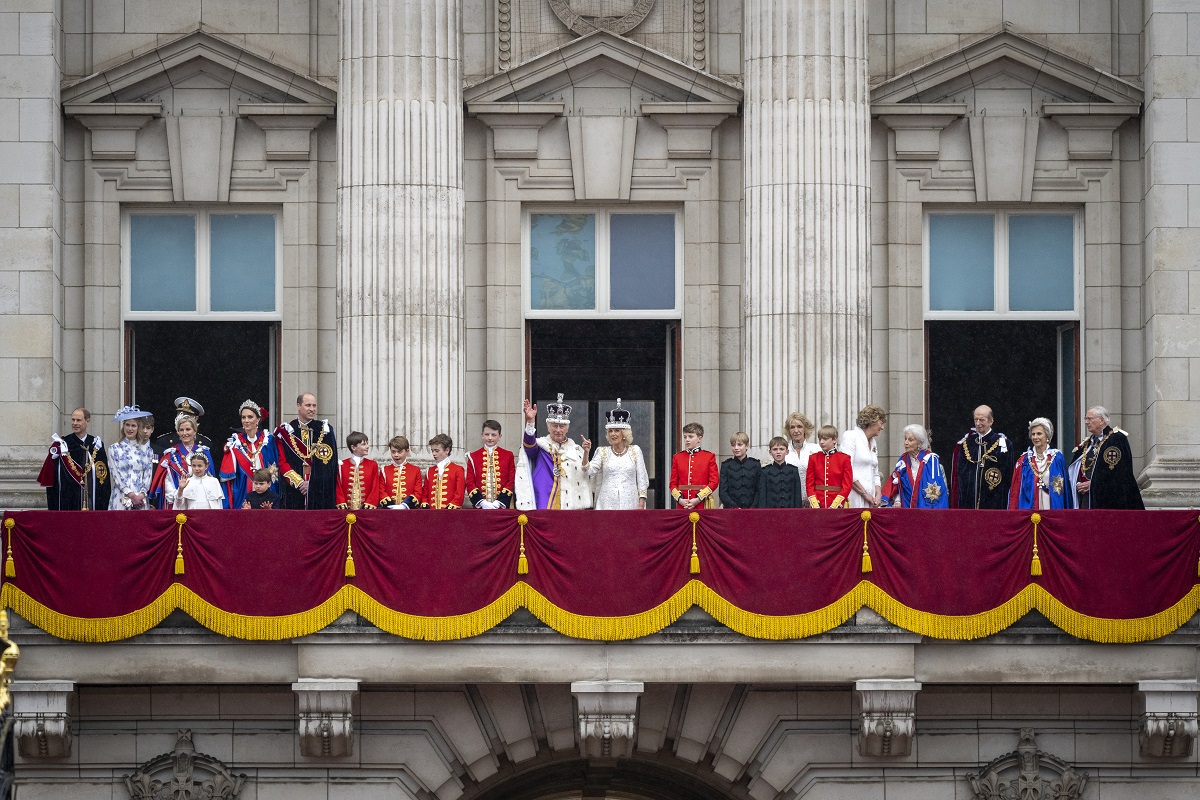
[
  {"x": 350, "y": 520},
  {"x": 10, "y": 566},
  {"x": 694, "y": 565},
  {"x": 866, "y": 557},
  {"x": 1035, "y": 567},
  {"x": 522, "y": 561},
  {"x": 179, "y": 520}
]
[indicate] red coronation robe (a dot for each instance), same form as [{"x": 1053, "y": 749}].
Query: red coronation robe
[
  {"x": 448, "y": 490},
  {"x": 695, "y": 474},
  {"x": 359, "y": 485},
  {"x": 490, "y": 476},
  {"x": 402, "y": 484}
]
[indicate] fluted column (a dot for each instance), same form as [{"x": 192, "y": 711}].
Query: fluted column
[
  {"x": 807, "y": 171},
  {"x": 400, "y": 206}
]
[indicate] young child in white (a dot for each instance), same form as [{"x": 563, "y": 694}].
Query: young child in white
[{"x": 199, "y": 490}]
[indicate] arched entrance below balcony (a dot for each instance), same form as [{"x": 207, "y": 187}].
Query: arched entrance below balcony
[{"x": 637, "y": 778}]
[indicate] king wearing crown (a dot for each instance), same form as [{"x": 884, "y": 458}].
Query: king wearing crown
[{"x": 552, "y": 469}]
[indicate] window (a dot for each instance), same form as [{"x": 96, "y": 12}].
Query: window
[
  {"x": 590, "y": 262},
  {"x": 1012, "y": 264},
  {"x": 219, "y": 264}
]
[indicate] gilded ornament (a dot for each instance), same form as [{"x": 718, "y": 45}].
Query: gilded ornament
[{"x": 992, "y": 477}]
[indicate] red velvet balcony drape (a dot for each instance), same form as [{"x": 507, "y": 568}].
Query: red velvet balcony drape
[{"x": 101, "y": 576}]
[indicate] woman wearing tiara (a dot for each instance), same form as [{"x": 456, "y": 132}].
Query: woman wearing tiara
[
  {"x": 247, "y": 452},
  {"x": 618, "y": 472},
  {"x": 175, "y": 464},
  {"x": 130, "y": 462},
  {"x": 1040, "y": 478}
]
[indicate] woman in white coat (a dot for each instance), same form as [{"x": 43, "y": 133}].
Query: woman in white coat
[
  {"x": 618, "y": 472},
  {"x": 859, "y": 444}
]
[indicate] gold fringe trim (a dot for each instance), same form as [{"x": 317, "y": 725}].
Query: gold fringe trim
[
  {"x": 521, "y": 595},
  {"x": 610, "y": 629},
  {"x": 794, "y": 626}
]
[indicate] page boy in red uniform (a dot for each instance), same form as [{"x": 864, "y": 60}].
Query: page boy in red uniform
[
  {"x": 490, "y": 471},
  {"x": 694, "y": 472},
  {"x": 403, "y": 485},
  {"x": 446, "y": 483},
  {"x": 830, "y": 475},
  {"x": 360, "y": 481}
]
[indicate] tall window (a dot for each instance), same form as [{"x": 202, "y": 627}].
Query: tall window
[
  {"x": 1002, "y": 264},
  {"x": 215, "y": 264},
  {"x": 592, "y": 262}
]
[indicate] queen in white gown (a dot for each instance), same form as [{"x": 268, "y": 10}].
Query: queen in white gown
[{"x": 618, "y": 472}]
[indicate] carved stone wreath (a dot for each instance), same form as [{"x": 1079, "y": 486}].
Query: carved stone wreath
[
  {"x": 184, "y": 774},
  {"x": 1019, "y": 775},
  {"x": 582, "y": 18}
]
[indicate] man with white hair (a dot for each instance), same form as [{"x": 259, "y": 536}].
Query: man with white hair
[
  {"x": 982, "y": 467},
  {"x": 552, "y": 469},
  {"x": 1102, "y": 465}
]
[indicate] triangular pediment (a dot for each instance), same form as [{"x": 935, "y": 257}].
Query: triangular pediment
[
  {"x": 598, "y": 68},
  {"x": 200, "y": 68},
  {"x": 1000, "y": 63}
]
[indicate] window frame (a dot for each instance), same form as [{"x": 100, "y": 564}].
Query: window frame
[
  {"x": 203, "y": 310},
  {"x": 602, "y": 309},
  {"x": 1000, "y": 255}
]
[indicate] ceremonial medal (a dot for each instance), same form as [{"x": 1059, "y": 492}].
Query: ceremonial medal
[
  {"x": 101, "y": 471},
  {"x": 1056, "y": 485},
  {"x": 933, "y": 492},
  {"x": 323, "y": 452},
  {"x": 992, "y": 477},
  {"x": 1112, "y": 457}
]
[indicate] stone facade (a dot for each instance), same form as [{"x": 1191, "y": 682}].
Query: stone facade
[
  {"x": 110, "y": 108},
  {"x": 403, "y": 146}
]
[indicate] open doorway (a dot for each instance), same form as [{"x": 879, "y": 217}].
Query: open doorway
[
  {"x": 1022, "y": 369},
  {"x": 594, "y": 362}
]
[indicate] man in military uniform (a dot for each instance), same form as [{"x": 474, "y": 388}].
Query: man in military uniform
[
  {"x": 183, "y": 405},
  {"x": 1102, "y": 466},
  {"x": 75, "y": 472},
  {"x": 308, "y": 458},
  {"x": 982, "y": 466}
]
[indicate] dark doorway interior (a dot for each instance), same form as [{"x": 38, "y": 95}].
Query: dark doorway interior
[
  {"x": 220, "y": 364},
  {"x": 592, "y": 363},
  {"x": 1017, "y": 368}
]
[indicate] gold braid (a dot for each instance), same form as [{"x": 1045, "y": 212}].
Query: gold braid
[{"x": 986, "y": 453}]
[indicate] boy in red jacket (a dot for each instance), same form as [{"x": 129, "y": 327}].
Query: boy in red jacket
[
  {"x": 490, "y": 471},
  {"x": 445, "y": 484},
  {"x": 403, "y": 486},
  {"x": 830, "y": 475},
  {"x": 694, "y": 472},
  {"x": 360, "y": 481}
]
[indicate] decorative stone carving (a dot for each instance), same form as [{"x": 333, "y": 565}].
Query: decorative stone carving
[
  {"x": 918, "y": 126},
  {"x": 326, "y": 716},
  {"x": 1090, "y": 126},
  {"x": 607, "y": 717},
  {"x": 1169, "y": 724},
  {"x": 184, "y": 774},
  {"x": 287, "y": 128},
  {"x": 689, "y": 126},
  {"x": 1028, "y": 773},
  {"x": 114, "y": 126},
  {"x": 615, "y": 16},
  {"x": 888, "y": 716},
  {"x": 515, "y": 126},
  {"x": 42, "y": 717}
]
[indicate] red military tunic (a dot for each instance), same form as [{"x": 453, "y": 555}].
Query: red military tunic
[
  {"x": 695, "y": 474},
  {"x": 359, "y": 485},
  {"x": 490, "y": 476},
  {"x": 830, "y": 477},
  {"x": 446, "y": 491},
  {"x": 403, "y": 483}
]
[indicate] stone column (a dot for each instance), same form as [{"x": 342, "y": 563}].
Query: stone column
[
  {"x": 806, "y": 300},
  {"x": 400, "y": 206},
  {"x": 1171, "y": 256}
]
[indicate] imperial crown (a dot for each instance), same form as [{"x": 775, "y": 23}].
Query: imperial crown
[
  {"x": 618, "y": 417},
  {"x": 558, "y": 412}
]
